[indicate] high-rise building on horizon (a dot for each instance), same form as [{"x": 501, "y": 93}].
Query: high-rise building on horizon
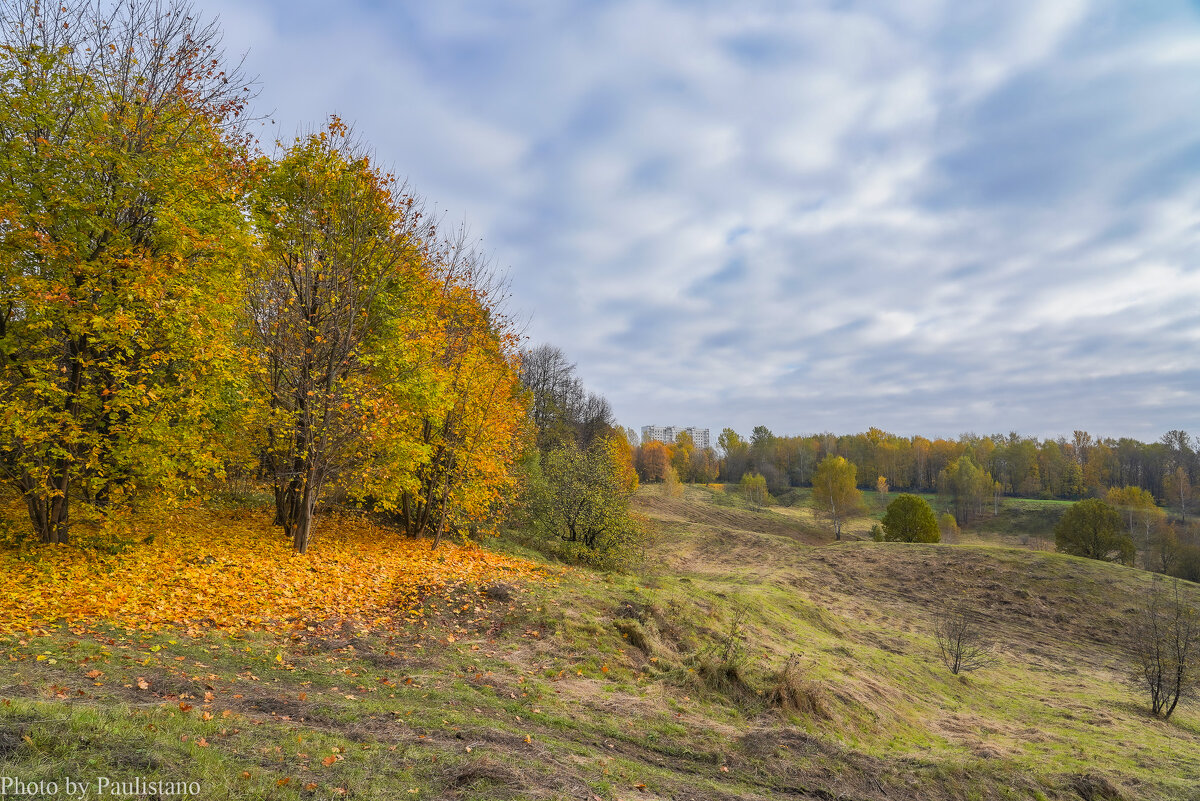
[{"x": 668, "y": 434}]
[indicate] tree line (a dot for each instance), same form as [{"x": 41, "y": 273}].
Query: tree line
[
  {"x": 177, "y": 305},
  {"x": 976, "y": 468}
]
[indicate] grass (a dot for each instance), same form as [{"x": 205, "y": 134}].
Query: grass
[
  {"x": 1020, "y": 522},
  {"x": 614, "y": 686}
]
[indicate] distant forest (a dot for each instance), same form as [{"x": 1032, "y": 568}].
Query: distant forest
[{"x": 1011, "y": 465}]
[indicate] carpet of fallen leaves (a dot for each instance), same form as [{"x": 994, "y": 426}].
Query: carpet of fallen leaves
[{"x": 196, "y": 568}]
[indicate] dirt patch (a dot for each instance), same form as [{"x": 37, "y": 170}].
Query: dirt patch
[
  {"x": 12, "y": 734},
  {"x": 134, "y": 759},
  {"x": 1094, "y": 787},
  {"x": 485, "y": 773}
]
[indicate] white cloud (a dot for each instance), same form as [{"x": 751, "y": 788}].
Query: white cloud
[{"x": 935, "y": 217}]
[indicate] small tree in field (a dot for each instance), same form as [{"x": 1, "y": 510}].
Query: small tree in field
[
  {"x": 672, "y": 487},
  {"x": 754, "y": 487},
  {"x": 1165, "y": 643},
  {"x": 910, "y": 518},
  {"x": 835, "y": 492},
  {"x": 947, "y": 526},
  {"x": 961, "y": 640},
  {"x": 1093, "y": 529}
]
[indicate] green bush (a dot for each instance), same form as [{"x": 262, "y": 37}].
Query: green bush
[
  {"x": 1093, "y": 529},
  {"x": 910, "y": 518},
  {"x": 577, "y": 503}
]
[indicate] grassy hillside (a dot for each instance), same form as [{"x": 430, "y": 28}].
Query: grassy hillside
[{"x": 664, "y": 683}]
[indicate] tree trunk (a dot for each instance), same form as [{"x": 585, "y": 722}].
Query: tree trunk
[
  {"x": 49, "y": 504},
  {"x": 304, "y": 518},
  {"x": 280, "y": 505}
]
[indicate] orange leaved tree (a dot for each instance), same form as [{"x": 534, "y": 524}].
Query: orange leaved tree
[{"x": 469, "y": 429}]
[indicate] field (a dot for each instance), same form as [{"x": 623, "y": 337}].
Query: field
[
  {"x": 662, "y": 683},
  {"x": 1019, "y": 522}
]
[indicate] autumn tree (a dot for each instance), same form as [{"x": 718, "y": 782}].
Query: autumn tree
[
  {"x": 468, "y": 423},
  {"x": 121, "y": 171},
  {"x": 947, "y": 527},
  {"x": 1092, "y": 528},
  {"x": 762, "y": 449},
  {"x": 1181, "y": 459},
  {"x": 672, "y": 487},
  {"x": 910, "y": 518},
  {"x": 681, "y": 456},
  {"x": 1165, "y": 550},
  {"x": 703, "y": 467},
  {"x": 735, "y": 455},
  {"x": 1178, "y": 489},
  {"x": 754, "y": 488},
  {"x": 835, "y": 492},
  {"x": 653, "y": 461},
  {"x": 331, "y": 301}
]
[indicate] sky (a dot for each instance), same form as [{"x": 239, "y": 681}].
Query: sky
[{"x": 931, "y": 217}]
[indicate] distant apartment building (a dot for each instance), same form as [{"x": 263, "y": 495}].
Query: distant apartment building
[{"x": 668, "y": 434}]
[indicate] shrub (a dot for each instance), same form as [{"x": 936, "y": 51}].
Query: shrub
[
  {"x": 789, "y": 498},
  {"x": 796, "y": 694},
  {"x": 1093, "y": 529},
  {"x": 1187, "y": 563},
  {"x": 579, "y": 502},
  {"x": 961, "y": 640},
  {"x": 910, "y": 518},
  {"x": 721, "y": 667}
]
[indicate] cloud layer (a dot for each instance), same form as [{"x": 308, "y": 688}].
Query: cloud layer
[{"x": 819, "y": 215}]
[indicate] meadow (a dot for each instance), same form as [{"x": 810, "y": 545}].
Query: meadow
[{"x": 747, "y": 657}]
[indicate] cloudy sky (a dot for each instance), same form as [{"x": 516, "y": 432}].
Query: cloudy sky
[{"x": 809, "y": 215}]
